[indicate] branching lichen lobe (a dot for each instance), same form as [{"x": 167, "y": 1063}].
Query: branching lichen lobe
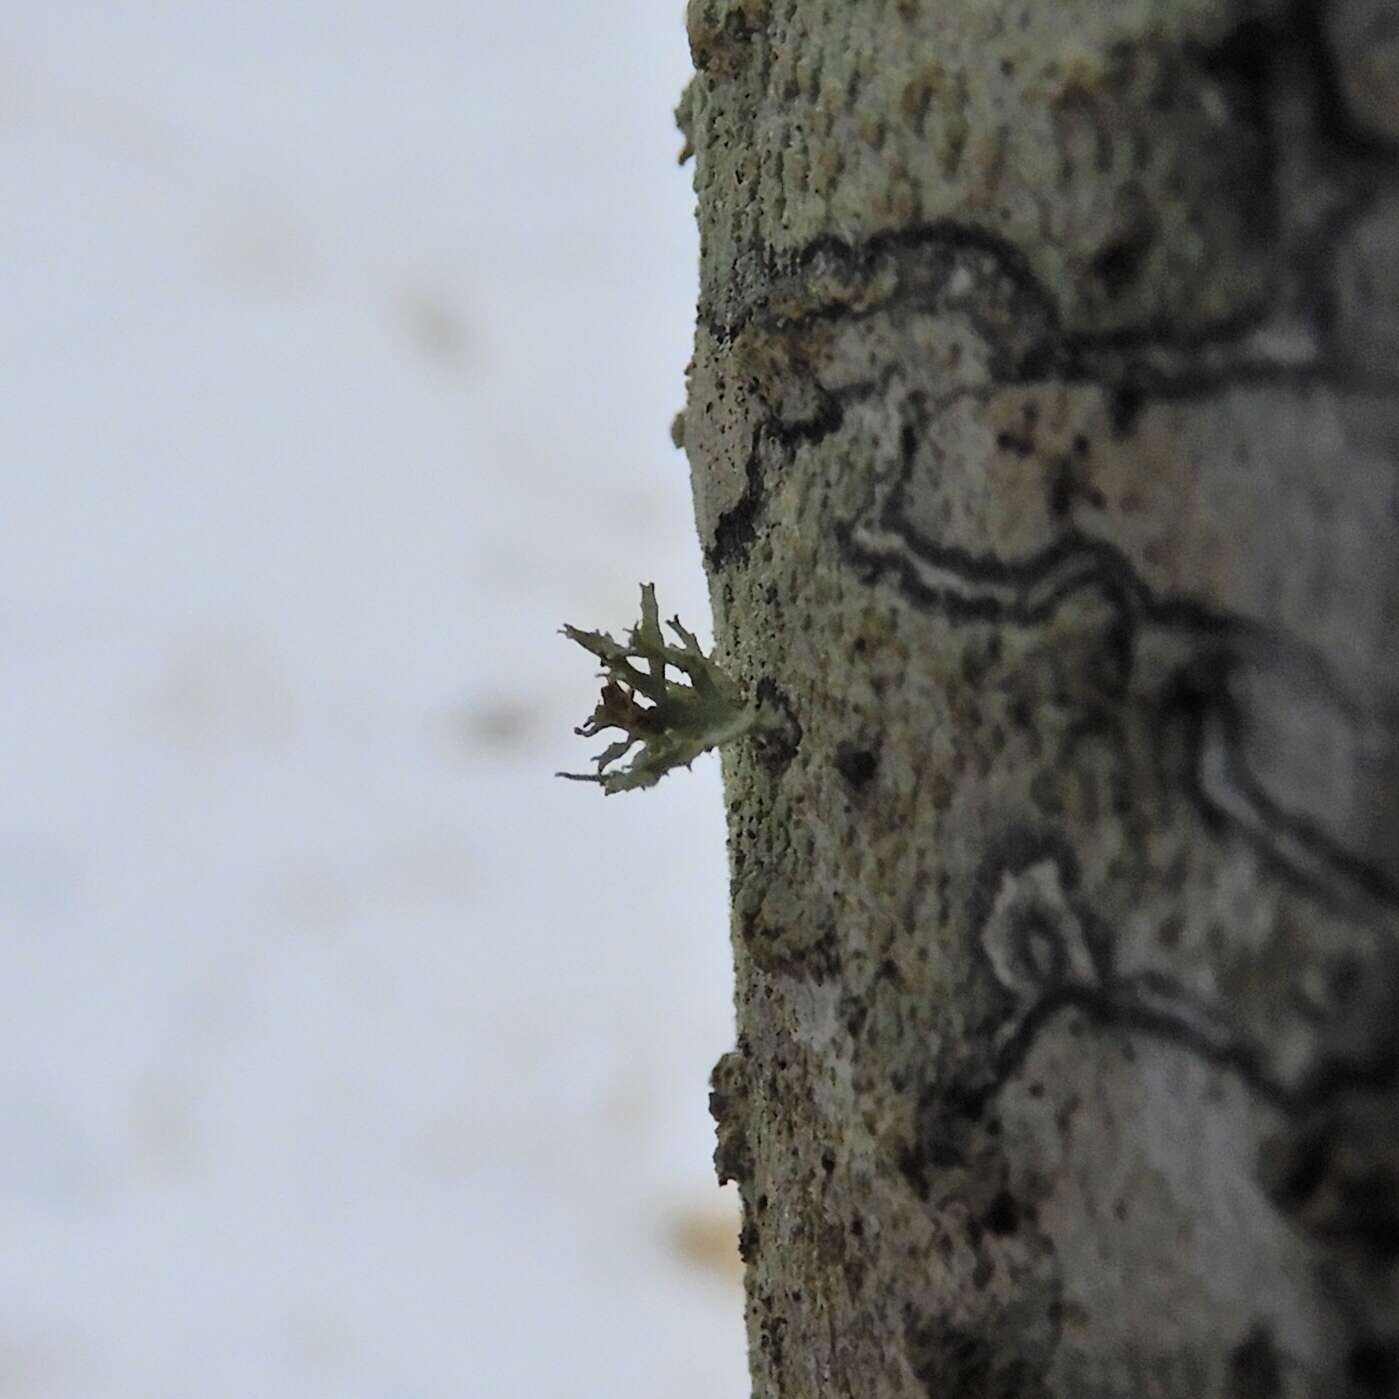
[{"x": 673, "y": 721}]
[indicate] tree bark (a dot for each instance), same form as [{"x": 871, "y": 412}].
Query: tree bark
[{"x": 1045, "y": 446}]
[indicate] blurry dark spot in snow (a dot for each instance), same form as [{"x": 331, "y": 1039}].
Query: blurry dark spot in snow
[
  {"x": 433, "y": 325},
  {"x": 225, "y": 688},
  {"x": 35, "y": 1367},
  {"x": 316, "y": 900},
  {"x": 267, "y": 259},
  {"x": 427, "y": 875},
  {"x": 500, "y": 724},
  {"x": 706, "y": 1237},
  {"x": 37, "y": 879},
  {"x": 163, "y": 1125}
]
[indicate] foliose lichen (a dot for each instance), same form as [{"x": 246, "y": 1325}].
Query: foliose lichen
[{"x": 673, "y": 719}]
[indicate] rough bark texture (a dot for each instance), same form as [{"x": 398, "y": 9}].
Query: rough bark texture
[{"x": 1045, "y": 441}]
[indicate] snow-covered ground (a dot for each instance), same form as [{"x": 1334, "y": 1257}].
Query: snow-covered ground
[{"x": 346, "y": 1052}]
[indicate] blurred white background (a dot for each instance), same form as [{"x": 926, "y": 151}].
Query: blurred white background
[{"x": 346, "y": 1051}]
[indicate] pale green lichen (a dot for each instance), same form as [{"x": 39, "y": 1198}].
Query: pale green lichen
[{"x": 674, "y": 720}]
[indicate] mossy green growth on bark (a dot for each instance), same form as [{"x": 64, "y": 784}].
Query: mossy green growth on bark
[{"x": 674, "y": 720}]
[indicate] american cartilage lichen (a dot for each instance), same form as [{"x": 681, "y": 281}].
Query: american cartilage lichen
[{"x": 674, "y": 720}]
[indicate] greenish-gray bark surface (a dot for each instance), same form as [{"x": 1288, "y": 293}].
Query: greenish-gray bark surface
[{"x": 1045, "y": 443}]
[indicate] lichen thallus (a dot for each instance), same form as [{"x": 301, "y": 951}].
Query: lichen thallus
[{"x": 674, "y": 720}]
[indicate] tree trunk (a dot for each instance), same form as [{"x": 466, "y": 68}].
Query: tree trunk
[{"x": 1045, "y": 443}]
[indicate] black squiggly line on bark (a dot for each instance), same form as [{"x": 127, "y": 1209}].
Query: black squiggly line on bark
[
  {"x": 736, "y": 528},
  {"x": 1021, "y": 325},
  {"x": 968, "y": 587},
  {"x": 1290, "y": 844},
  {"x": 1148, "y": 1003}
]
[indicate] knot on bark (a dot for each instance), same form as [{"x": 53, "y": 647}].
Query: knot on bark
[
  {"x": 720, "y": 31},
  {"x": 728, "y": 1106}
]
